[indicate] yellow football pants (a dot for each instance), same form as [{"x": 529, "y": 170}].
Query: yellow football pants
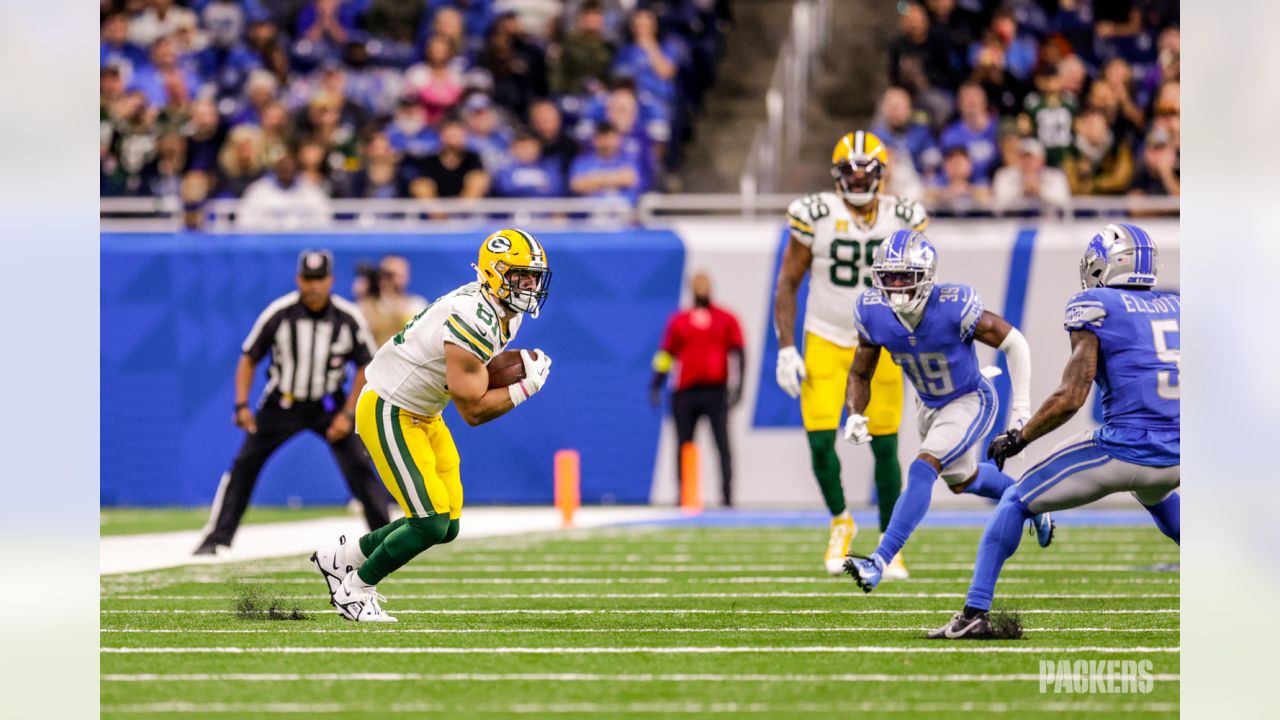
[
  {"x": 415, "y": 457},
  {"x": 826, "y": 367}
]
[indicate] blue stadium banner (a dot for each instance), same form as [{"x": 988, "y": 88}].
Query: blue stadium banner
[{"x": 176, "y": 308}]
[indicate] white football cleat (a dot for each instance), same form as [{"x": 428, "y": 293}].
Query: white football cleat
[
  {"x": 359, "y": 604},
  {"x": 843, "y": 531},
  {"x": 896, "y": 569},
  {"x": 327, "y": 561}
]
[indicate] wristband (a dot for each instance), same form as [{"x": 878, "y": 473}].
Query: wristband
[
  {"x": 241, "y": 405},
  {"x": 518, "y": 393}
]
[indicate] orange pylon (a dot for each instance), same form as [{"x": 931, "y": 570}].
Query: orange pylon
[{"x": 568, "y": 493}]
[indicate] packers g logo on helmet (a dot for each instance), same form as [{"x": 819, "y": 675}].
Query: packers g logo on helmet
[
  {"x": 513, "y": 266},
  {"x": 857, "y": 164},
  {"x": 498, "y": 244}
]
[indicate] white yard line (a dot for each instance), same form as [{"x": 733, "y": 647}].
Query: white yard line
[
  {"x": 576, "y": 631},
  {"x": 845, "y": 592},
  {"x": 658, "y": 650},
  {"x": 671, "y": 611},
  {"x": 152, "y": 551},
  {"x": 585, "y": 677}
]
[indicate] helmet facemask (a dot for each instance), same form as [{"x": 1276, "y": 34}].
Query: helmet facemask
[
  {"x": 858, "y": 179},
  {"x": 523, "y": 289},
  {"x": 905, "y": 289}
]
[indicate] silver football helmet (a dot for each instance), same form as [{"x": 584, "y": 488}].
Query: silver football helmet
[
  {"x": 1120, "y": 255},
  {"x": 903, "y": 270}
]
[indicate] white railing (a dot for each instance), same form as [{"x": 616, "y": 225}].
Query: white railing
[
  {"x": 778, "y": 136},
  {"x": 165, "y": 214}
]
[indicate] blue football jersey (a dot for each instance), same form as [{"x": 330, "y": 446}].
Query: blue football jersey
[
  {"x": 938, "y": 355},
  {"x": 1138, "y": 362}
]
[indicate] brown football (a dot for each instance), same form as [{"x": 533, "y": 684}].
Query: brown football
[{"x": 506, "y": 368}]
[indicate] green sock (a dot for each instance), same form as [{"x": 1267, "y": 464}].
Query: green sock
[
  {"x": 402, "y": 545},
  {"x": 826, "y": 467},
  {"x": 888, "y": 475},
  {"x": 455, "y": 526},
  {"x": 370, "y": 541}
]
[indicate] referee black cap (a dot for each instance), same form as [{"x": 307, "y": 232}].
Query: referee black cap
[{"x": 315, "y": 263}]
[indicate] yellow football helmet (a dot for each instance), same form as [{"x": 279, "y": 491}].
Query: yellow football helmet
[
  {"x": 857, "y": 164},
  {"x": 513, "y": 266}
]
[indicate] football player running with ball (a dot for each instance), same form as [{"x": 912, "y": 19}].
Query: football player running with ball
[
  {"x": 1125, "y": 337},
  {"x": 834, "y": 237},
  {"x": 929, "y": 330},
  {"x": 440, "y": 355}
]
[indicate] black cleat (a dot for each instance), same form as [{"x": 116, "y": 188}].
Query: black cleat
[
  {"x": 977, "y": 627},
  {"x": 208, "y": 547}
]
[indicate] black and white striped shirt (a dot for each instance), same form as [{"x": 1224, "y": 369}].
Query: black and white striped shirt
[{"x": 309, "y": 351}]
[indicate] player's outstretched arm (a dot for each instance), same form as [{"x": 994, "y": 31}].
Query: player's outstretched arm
[
  {"x": 468, "y": 380},
  {"x": 995, "y": 331},
  {"x": 1072, "y": 393},
  {"x": 1060, "y": 406}
]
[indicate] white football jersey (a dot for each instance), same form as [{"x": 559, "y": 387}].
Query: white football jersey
[
  {"x": 409, "y": 369},
  {"x": 843, "y": 250}
]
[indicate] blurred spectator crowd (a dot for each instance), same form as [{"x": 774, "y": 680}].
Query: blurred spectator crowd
[
  {"x": 290, "y": 103},
  {"x": 1023, "y": 104}
]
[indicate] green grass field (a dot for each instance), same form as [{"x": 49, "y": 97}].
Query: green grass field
[
  {"x": 646, "y": 622},
  {"x": 132, "y": 521}
]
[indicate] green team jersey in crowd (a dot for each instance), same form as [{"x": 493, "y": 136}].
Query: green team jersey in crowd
[{"x": 1051, "y": 123}]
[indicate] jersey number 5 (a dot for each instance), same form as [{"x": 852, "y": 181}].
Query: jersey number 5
[
  {"x": 1167, "y": 385},
  {"x": 848, "y": 258}
]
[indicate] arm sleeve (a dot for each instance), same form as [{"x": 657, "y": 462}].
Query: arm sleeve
[
  {"x": 1084, "y": 312},
  {"x": 801, "y": 222},
  {"x": 1017, "y": 354}
]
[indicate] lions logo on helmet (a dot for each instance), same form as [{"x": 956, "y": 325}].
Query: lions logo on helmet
[
  {"x": 857, "y": 164},
  {"x": 1120, "y": 255},
  {"x": 513, "y": 266}
]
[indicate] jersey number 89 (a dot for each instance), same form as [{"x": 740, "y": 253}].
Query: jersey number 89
[{"x": 849, "y": 258}]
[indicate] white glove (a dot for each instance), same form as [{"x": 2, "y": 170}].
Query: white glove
[
  {"x": 790, "y": 370},
  {"x": 855, "y": 429},
  {"x": 535, "y": 375}
]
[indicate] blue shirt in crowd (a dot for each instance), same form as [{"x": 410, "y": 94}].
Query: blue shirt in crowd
[
  {"x": 980, "y": 144},
  {"x": 530, "y": 180}
]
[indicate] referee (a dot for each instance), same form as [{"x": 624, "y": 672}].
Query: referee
[{"x": 312, "y": 335}]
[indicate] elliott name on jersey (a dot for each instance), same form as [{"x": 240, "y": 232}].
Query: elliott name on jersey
[{"x": 843, "y": 248}]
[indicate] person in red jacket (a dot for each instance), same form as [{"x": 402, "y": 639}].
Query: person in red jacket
[{"x": 701, "y": 340}]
